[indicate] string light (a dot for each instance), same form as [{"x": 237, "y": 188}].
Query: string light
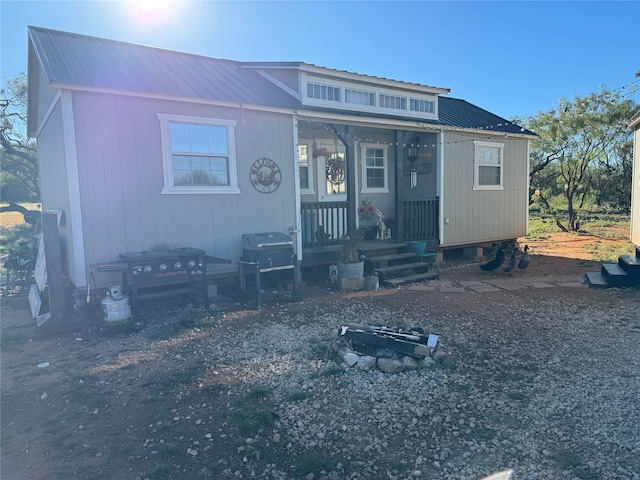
[{"x": 465, "y": 138}]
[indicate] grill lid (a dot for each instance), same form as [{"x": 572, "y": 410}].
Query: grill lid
[
  {"x": 143, "y": 256},
  {"x": 253, "y": 241},
  {"x": 146, "y": 256}
]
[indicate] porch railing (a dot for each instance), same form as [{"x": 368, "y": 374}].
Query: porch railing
[
  {"x": 421, "y": 219},
  {"x": 323, "y": 223}
]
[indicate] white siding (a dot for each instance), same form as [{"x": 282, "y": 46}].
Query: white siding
[
  {"x": 477, "y": 216},
  {"x": 121, "y": 178},
  {"x": 55, "y": 187},
  {"x": 635, "y": 188}
]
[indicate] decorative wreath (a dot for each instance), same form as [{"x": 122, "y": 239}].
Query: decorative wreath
[{"x": 335, "y": 169}]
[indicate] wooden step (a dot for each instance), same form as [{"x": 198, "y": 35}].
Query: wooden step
[
  {"x": 597, "y": 280},
  {"x": 392, "y": 282},
  {"x": 616, "y": 276},
  {"x": 399, "y": 268},
  {"x": 384, "y": 259},
  {"x": 630, "y": 264}
]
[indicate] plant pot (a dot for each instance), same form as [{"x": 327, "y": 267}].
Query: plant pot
[
  {"x": 371, "y": 283},
  {"x": 418, "y": 246},
  {"x": 350, "y": 270},
  {"x": 371, "y": 232}
]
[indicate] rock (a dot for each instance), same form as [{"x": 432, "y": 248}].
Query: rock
[
  {"x": 422, "y": 350},
  {"x": 351, "y": 358},
  {"x": 366, "y": 363},
  {"x": 440, "y": 356},
  {"x": 428, "y": 362},
  {"x": 390, "y": 365},
  {"x": 410, "y": 363}
]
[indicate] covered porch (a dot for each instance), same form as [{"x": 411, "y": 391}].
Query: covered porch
[
  {"x": 373, "y": 176},
  {"x": 324, "y": 224}
]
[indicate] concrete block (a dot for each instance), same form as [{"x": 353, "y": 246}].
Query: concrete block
[
  {"x": 212, "y": 290},
  {"x": 351, "y": 283},
  {"x": 473, "y": 252}
]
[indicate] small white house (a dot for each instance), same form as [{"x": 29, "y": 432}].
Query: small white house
[
  {"x": 635, "y": 186},
  {"x": 140, "y": 147}
]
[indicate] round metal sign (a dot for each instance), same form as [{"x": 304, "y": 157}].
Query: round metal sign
[{"x": 265, "y": 175}]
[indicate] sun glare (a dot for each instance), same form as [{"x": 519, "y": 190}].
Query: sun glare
[{"x": 151, "y": 7}]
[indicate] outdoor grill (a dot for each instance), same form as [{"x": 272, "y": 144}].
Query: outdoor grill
[
  {"x": 266, "y": 252},
  {"x": 149, "y": 274},
  {"x": 273, "y": 251},
  {"x": 154, "y": 274}
]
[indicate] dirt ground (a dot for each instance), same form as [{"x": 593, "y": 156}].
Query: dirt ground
[{"x": 89, "y": 404}]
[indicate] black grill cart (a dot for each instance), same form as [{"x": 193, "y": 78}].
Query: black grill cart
[
  {"x": 267, "y": 252},
  {"x": 155, "y": 274}
]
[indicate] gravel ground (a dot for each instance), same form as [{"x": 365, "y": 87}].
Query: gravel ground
[{"x": 542, "y": 380}]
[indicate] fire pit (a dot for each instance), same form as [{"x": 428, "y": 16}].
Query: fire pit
[{"x": 391, "y": 350}]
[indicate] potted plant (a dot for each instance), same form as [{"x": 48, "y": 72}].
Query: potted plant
[{"x": 351, "y": 261}]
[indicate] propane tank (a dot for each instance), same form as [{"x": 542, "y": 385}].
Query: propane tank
[{"x": 115, "y": 306}]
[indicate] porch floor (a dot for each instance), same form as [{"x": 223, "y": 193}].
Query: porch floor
[{"x": 327, "y": 255}]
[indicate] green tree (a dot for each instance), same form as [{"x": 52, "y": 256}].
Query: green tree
[
  {"x": 19, "y": 179},
  {"x": 580, "y": 144}
]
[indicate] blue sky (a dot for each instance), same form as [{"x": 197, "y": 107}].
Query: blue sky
[{"x": 511, "y": 58}]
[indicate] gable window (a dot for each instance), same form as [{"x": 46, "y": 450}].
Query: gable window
[
  {"x": 423, "y": 106},
  {"x": 323, "y": 92},
  {"x": 198, "y": 155},
  {"x": 374, "y": 168},
  {"x": 359, "y": 97},
  {"x": 488, "y": 166},
  {"x": 306, "y": 180},
  {"x": 393, "y": 101}
]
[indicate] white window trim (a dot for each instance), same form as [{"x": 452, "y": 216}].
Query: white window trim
[
  {"x": 363, "y": 163},
  {"x": 377, "y": 90},
  {"x": 476, "y": 166},
  {"x": 169, "y": 187},
  {"x": 310, "y": 168}
]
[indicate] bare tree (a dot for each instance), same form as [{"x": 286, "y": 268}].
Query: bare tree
[{"x": 18, "y": 155}]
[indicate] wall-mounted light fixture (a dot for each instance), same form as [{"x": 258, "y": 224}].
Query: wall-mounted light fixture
[{"x": 413, "y": 151}]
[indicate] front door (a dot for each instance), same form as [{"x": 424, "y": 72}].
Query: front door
[
  {"x": 332, "y": 174},
  {"x": 332, "y": 190}
]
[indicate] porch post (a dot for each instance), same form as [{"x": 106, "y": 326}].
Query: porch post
[
  {"x": 345, "y": 134},
  {"x": 401, "y": 138}
]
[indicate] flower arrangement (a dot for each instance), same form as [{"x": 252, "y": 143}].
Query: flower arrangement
[{"x": 366, "y": 210}]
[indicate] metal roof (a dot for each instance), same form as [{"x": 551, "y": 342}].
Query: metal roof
[
  {"x": 462, "y": 114},
  {"x": 90, "y": 62},
  {"x": 80, "y": 61}
]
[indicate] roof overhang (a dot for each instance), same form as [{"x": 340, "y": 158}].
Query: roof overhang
[
  {"x": 634, "y": 123},
  {"x": 385, "y": 122}
]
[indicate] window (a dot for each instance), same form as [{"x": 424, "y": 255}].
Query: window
[
  {"x": 488, "y": 166},
  {"x": 306, "y": 180},
  {"x": 393, "y": 101},
  {"x": 323, "y": 92},
  {"x": 198, "y": 155},
  {"x": 359, "y": 97},
  {"x": 374, "y": 171},
  {"x": 423, "y": 106}
]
